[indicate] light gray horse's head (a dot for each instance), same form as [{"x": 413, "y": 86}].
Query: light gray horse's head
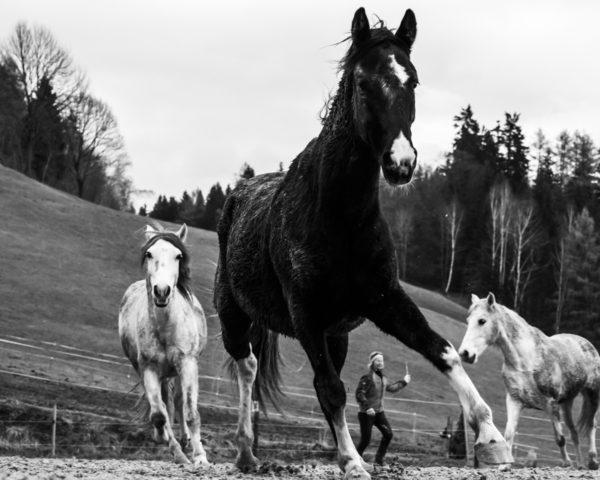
[
  {"x": 164, "y": 262},
  {"x": 482, "y": 327}
]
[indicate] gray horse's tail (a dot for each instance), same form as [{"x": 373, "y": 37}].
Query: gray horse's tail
[
  {"x": 141, "y": 408},
  {"x": 586, "y": 420},
  {"x": 267, "y": 386}
]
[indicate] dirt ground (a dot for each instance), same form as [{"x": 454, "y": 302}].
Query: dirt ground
[{"x": 20, "y": 468}]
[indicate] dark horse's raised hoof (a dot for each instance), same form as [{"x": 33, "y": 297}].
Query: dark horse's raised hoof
[
  {"x": 494, "y": 453},
  {"x": 246, "y": 461}
]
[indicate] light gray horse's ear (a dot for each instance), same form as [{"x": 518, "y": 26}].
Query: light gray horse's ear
[
  {"x": 491, "y": 300},
  {"x": 182, "y": 232},
  {"x": 149, "y": 233},
  {"x": 474, "y": 298}
]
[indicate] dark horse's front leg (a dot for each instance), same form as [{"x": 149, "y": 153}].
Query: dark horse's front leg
[{"x": 396, "y": 314}]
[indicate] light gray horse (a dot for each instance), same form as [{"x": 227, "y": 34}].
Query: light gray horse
[
  {"x": 540, "y": 372},
  {"x": 163, "y": 332}
]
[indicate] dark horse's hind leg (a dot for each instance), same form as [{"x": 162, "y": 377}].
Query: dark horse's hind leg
[
  {"x": 235, "y": 326},
  {"x": 332, "y": 397},
  {"x": 396, "y": 314}
]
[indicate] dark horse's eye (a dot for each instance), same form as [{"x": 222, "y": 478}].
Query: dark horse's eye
[
  {"x": 414, "y": 85},
  {"x": 482, "y": 321}
]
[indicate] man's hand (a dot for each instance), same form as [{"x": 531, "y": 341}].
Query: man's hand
[
  {"x": 407, "y": 378},
  {"x": 371, "y": 412}
]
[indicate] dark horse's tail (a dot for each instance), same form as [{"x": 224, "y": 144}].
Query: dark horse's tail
[{"x": 267, "y": 386}]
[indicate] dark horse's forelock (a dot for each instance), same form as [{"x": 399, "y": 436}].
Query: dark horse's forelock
[
  {"x": 184, "y": 280},
  {"x": 379, "y": 34}
]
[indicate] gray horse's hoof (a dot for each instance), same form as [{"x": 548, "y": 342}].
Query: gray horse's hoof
[
  {"x": 246, "y": 461},
  {"x": 494, "y": 453},
  {"x": 593, "y": 464}
]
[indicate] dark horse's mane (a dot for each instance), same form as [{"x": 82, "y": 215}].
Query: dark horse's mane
[
  {"x": 336, "y": 106},
  {"x": 185, "y": 278}
]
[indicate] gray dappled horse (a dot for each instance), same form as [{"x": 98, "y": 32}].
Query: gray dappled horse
[
  {"x": 540, "y": 372},
  {"x": 163, "y": 332}
]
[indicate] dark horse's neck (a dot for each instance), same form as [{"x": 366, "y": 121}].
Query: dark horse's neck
[{"x": 339, "y": 168}]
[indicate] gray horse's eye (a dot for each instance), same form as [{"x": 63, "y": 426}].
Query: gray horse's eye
[
  {"x": 482, "y": 321},
  {"x": 148, "y": 255}
]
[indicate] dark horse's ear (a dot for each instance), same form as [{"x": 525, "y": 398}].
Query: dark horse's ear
[
  {"x": 491, "y": 300},
  {"x": 361, "y": 31},
  {"x": 408, "y": 29}
]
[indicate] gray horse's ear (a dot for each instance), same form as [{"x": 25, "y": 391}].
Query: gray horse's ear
[
  {"x": 149, "y": 233},
  {"x": 491, "y": 300},
  {"x": 361, "y": 31},
  {"x": 182, "y": 232},
  {"x": 474, "y": 298}
]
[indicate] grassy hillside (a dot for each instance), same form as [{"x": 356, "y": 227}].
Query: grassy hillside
[{"x": 66, "y": 263}]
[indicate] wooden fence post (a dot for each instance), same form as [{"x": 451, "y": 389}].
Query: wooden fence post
[
  {"x": 54, "y": 431},
  {"x": 414, "y": 427}
]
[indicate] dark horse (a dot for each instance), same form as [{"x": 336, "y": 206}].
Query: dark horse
[{"x": 308, "y": 253}]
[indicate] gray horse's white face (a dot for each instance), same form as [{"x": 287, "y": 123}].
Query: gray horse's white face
[
  {"x": 162, "y": 267},
  {"x": 482, "y": 328}
]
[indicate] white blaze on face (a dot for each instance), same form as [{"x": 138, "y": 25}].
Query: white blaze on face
[
  {"x": 163, "y": 267},
  {"x": 402, "y": 152},
  {"x": 399, "y": 70}
]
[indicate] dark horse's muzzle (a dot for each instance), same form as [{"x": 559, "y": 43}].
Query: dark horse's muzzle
[{"x": 398, "y": 172}]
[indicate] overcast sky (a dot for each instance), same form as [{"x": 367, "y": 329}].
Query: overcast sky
[{"x": 200, "y": 87}]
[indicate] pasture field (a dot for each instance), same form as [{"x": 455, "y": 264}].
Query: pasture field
[{"x": 65, "y": 265}]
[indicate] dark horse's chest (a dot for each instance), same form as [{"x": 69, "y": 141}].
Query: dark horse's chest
[{"x": 283, "y": 253}]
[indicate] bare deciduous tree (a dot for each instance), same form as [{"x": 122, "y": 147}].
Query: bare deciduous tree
[
  {"x": 94, "y": 141},
  {"x": 561, "y": 267},
  {"x": 526, "y": 237},
  {"x": 500, "y": 205},
  {"x": 403, "y": 227},
  {"x": 453, "y": 217},
  {"x": 35, "y": 56}
]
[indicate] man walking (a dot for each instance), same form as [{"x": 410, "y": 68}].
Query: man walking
[{"x": 369, "y": 395}]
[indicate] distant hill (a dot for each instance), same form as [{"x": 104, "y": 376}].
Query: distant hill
[{"x": 65, "y": 264}]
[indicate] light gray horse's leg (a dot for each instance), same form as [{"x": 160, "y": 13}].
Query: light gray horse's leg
[
  {"x": 593, "y": 454},
  {"x": 188, "y": 373},
  {"x": 246, "y": 374},
  {"x": 567, "y": 411},
  {"x": 184, "y": 433},
  {"x": 554, "y": 412},
  {"x": 159, "y": 415},
  {"x": 514, "y": 407}
]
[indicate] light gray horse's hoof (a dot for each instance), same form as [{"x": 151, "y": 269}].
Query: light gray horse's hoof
[
  {"x": 246, "y": 461},
  {"x": 493, "y": 452},
  {"x": 593, "y": 464}
]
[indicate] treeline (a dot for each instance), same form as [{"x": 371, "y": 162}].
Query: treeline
[
  {"x": 193, "y": 209},
  {"x": 51, "y": 127},
  {"x": 520, "y": 221}
]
